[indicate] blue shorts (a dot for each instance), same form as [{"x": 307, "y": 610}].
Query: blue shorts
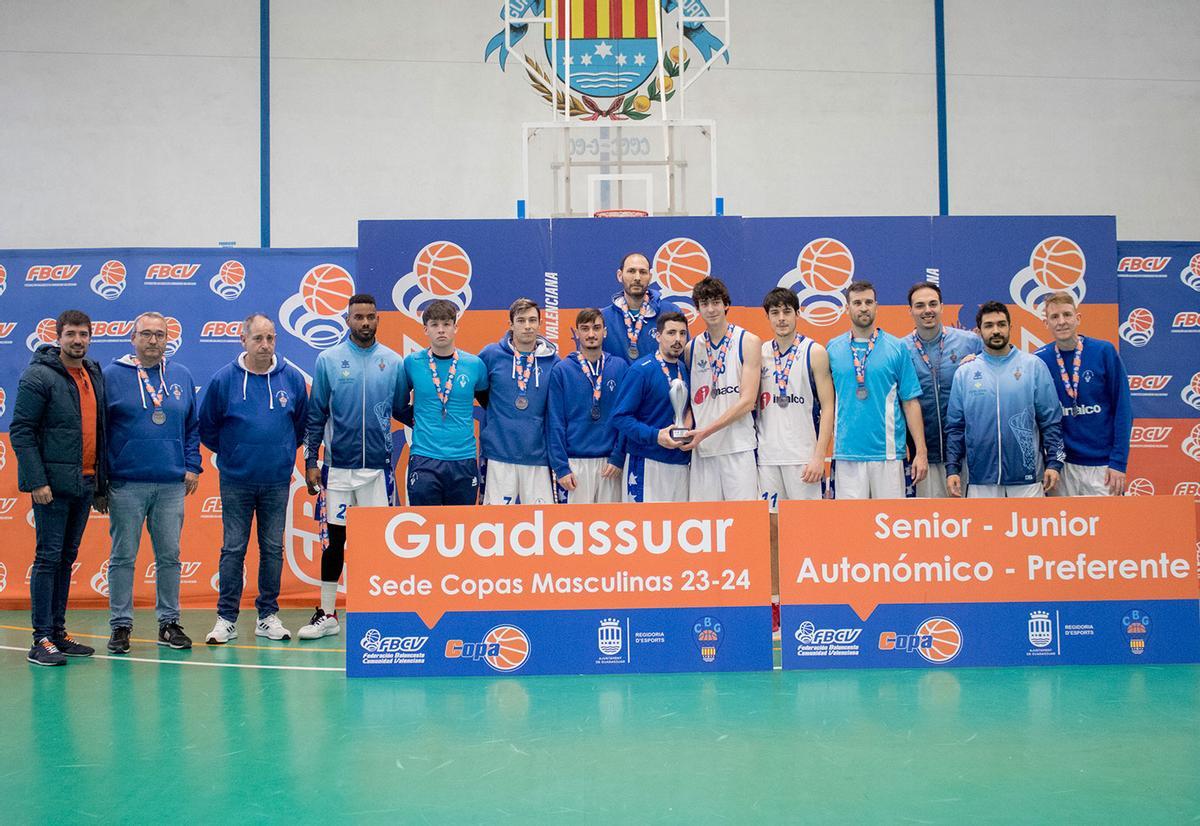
[{"x": 442, "y": 482}]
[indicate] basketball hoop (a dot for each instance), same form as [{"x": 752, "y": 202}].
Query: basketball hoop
[{"x": 620, "y": 213}]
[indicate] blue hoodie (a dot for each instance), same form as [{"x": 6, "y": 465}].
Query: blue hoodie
[
  {"x": 643, "y": 408},
  {"x": 1004, "y": 417},
  {"x": 517, "y": 437},
  {"x": 616, "y": 336},
  {"x": 138, "y": 449},
  {"x": 573, "y": 433},
  {"x": 355, "y": 394},
  {"x": 1098, "y": 423},
  {"x": 253, "y": 422},
  {"x": 945, "y": 354}
]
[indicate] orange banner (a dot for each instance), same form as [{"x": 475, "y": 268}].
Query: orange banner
[
  {"x": 913, "y": 551},
  {"x": 566, "y": 557}
]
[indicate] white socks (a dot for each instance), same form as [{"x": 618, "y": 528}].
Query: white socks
[{"x": 329, "y": 597}]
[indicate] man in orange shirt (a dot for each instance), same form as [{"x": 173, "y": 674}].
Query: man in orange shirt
[{"x": 57, "y": 432}]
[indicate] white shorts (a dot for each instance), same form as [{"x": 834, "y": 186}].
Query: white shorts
[
  {"x": 346, "y": 488},
  {"x": 517, "y": 484},
  {"x": 590, "y": 487},
  {"x": 649, "y": 481},
  {"x": 1005, "y": 491},
  {"x": 1081, "y": 480},
  {"x": 730, "y": 477},
  {"x": 780, "y": 482},
  {"x": 870, "y": 480},
  {"x": 933, "y": 486}
]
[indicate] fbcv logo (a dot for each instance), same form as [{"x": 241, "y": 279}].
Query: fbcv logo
[{"x": 1148, "y": 264}]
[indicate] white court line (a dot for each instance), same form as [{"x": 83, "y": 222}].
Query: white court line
[{"x": 190, "y": 662}]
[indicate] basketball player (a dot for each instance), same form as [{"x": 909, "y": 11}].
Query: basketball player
[
  {"x": 358, "y": 387},
  {"x": 1096, "y": 408},
  {"x": 1004, "y": 420},
  {"x": 514, "y": 430},
  {"x": 445, "y": 381},
  {"x": 630, "y": 320},
  {"x": 584, "y": 450},
  {"x": 795, "y": 417},
  {"x": 656, "y": 467},
  {"x": 874, "y": 379},
  {"x": 724, "y": 362},
  {"x": 936, "y": 353}
]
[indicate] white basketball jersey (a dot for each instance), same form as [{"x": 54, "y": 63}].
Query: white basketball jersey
[
  {"x": 787, "y": 435},
  {"x": 710, "y": 401}
]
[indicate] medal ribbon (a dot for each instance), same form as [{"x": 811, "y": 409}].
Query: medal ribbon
[
  {"x": 632, "y": 330},
  {"x": 443, "y": 393},
  {"x": 920, "y": 345},
  {"x": 663, "y": 364},
  {"x": 596, "y": 377},
  {"x": 155, "y": 397},
  {"x": 860, "y": 364},
  {"x": 718, "y": 359},
  {"x": 523, "y": 367},
  {"x": 782, "y": 374},
  {"x": 1071, "y": 385}
]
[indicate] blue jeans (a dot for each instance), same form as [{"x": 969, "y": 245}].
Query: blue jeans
[
  {"x": 59, "y": 527},
  {"x": 267, "y": 504},
  {"x": 159, "y": 507}
]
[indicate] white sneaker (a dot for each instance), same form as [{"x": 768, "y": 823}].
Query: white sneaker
[
  {"x": 222, "y": 633},
  {"x": 271, "y": 628},
  {"x": 321, "y": 625}
]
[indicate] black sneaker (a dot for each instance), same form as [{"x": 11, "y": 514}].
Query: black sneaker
[
  {"x": 71, "y": 648},
  {"x": 172, "y": 634},
  {"x": 44, "y": 652},
  {"x": 118, "y": 643}
]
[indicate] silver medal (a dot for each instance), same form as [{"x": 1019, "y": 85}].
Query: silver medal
[
  {"x": 783, "y": 401},
  {"x": 522, "y": 402},
  {"x": 861, "y": 392},
  {"x": 595, "y": 412},
  {"x": 633, "y": 352},
  {"x": 158, "y": 417}
]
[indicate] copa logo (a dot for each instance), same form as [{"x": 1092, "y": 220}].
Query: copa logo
[
  {"x": 442, "y": 269},
  {"x": 99, "y": 581},
  {"x": 3, "y": 279},
  {"x": 230, "y": 280},
  {"x": 937, "y": 640},
  {"x": 824, "y": 267},
  {"x": 1188, "y": 489},
  {"x": 1191, "y": 445},
  {"x": 1190, "y": 394},
  {"x": 51, "y": 275},
  {"x": 1140, "y": 486},
  {"x": 504, "y": 648},
  {"x": 1150, "y": 435},
  {"x": 110, "y": 282},
  {"x": 1139, "y": 264},
  {"x": 1149, "y": 385},
  {"x": 1189, "y": 275},
  {"x": 181, "y": 274},
  {"x": 1138, "y": 327},
  {"x": 1057, "y": 263},
  {"x": 314, "y": 314}
]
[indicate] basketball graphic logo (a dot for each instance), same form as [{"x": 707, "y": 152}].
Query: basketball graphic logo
[
  {"x": 1056, "y": 264},
  {"x": 1191, "y": 445},
  {"x": 1190, "y": 394},
  {"x": 174, "y": 336},
  {"x": 3, "y": 279},
  {"x": 1137, "y": 630},
  {"x": 1189, "y": 275},
  {"x": 370, "y": 640},
  {"x": 708, "y": 634},
  {"x": 99, "y": 582},
  {"x": 109, "y": 283},
  {"x": 945, "y": 640},
  {"x": 315, "y": 313},
  {"x": 230, "y": 280},
  {"x": 824, "y": 267},
  {"x": 441, "y": 269},
  {"x": 511, "y": 648},
  {"x": 46, "y": 332},
  {"x": 1138, "y": 327},
  {"x": 679, "y": 265},
  {"x": 3, "y": 401},
  {"x": 1140, "y": 486},
  {"x": 3, "y": 577}
]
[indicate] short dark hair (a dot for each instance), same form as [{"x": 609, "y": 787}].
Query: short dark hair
[
  {"x": 523, "y": 304},
  {"x": 990, "y": 307},
  {"x": 709, "y": 289},
  {"x": 666, "y": 318},
  {"x": 629, "y": 255},
  {"x": 781, "y": 297},
  {"x": 861, "y": 287},
  {"x": 587, "y": 315},
  {"x": 73, "y": 318},
  {"x": 439, "y": 310},
  {"x": 361, "y": 298},
  {"x": 923, "y": 285},
  {"x": 248, "y": 320}
]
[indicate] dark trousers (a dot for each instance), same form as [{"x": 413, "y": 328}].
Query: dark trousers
[{"x": 59, "y": 527}]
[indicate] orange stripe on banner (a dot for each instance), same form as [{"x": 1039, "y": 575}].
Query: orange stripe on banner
[{"x": 589, "y": 19}]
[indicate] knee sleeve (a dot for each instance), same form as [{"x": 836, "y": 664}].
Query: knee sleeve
[{"x": 334, "y": 556}]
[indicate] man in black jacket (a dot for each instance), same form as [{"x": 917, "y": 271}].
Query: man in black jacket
[{"x": 57, "y": 432}]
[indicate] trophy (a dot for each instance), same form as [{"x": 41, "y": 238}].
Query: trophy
[{"x": 679, "y": 402}]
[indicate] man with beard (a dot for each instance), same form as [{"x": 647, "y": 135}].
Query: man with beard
[
  {"x": 358, "y": 387},
  {"x": 1004, "y": 421},
  {"x": 630, "y": 321}
]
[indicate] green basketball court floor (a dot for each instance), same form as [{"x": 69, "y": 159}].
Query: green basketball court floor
[{"x": 266, "y": 732}]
